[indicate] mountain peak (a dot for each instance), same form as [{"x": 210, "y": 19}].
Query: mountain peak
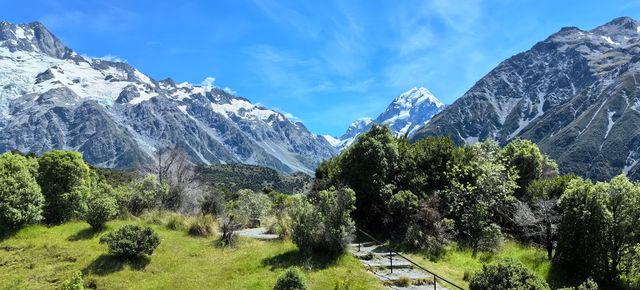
[
  {"x": 32, "y": 37},
  {"x": 620, "y": 24},
  {"x": 416, "y": 96}
]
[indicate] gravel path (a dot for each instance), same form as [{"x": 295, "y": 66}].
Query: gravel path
[{"x": 257, "y": 233}]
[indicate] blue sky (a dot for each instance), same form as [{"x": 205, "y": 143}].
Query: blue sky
[{"x": 323, "y": 62}]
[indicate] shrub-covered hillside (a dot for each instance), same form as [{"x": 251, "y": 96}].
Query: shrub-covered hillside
[{"x": 234, "y": 177}]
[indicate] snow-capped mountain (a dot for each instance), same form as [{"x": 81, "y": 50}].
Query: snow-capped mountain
[
  {"x": 52, "y": 97},
  {"x": 405, "y": 115},
  {"x": 576, "y": 94}
]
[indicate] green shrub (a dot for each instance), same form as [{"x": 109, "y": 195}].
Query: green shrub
[
  {"x": 143, "y": 195},
  {"x": 507, "y": 274},
  {"x": 292, "y": 279},
  {"x": 131, "y": 241},
  {"x": 21, "y": 200},
  {"x": 75, "y": 283},
  {"x": 65, "y": 180},
  {"x": 587, "y": 285},
  {"x": 249, "y": 208},
  {"x": 203, "y": 225},
  {"x": 325, "y": 227},
  {"x": 100, "y": 209}
]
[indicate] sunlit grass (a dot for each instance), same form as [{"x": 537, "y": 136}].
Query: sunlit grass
[
  {"x": 456, "y": 261},
  {"x": 40, "y": 257}
]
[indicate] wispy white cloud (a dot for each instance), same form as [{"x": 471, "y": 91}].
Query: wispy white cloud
[
  {"x": 461, "y": 15},
  {"x": 208, "y": 83},
  {"x": 230, "y": 91}
]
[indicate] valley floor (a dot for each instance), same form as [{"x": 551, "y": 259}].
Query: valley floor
[{"x": 40, "y": 257}]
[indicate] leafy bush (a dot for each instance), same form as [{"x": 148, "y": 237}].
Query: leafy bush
[
  {"x": 131, "y": 241},
  {"x": 75, "y": 283},
  {"x": 280, "y": 221},
  {"x": 65, "y": 180},
  {"x": 142, "y": 195},
  {"x": 326, "y": 226},
  {"x": 249, "y": 208},
  {"x": 507, "y": 274},
  {"x": 292, "y": 279},
  {"x": 100, "y": 209},
  {"x": 203, "y": 225},
  {"x": 20, "y": 197}
]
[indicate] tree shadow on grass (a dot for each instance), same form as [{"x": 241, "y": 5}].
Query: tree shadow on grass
[
  {"x": 85, "y": 234},
  {"x": 107, "y": 264},
  {"x": 559, "y": 277},
  {"x": 7, "y": 233},
  {"x": 296, "y": 258}
]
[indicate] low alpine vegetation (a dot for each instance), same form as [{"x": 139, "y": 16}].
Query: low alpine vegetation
[
  {"x": 507, "y": 274},
  {"x": 130, "y": 241},
  {"x": 292, "y": 279}
]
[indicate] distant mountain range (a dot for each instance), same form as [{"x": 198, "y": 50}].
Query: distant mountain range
[
  {"x": 52, "y": 97},
  {"x": 405, "y": 115},
  {"x": 576, "y": 94}
]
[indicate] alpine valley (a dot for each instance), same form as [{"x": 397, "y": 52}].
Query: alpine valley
[
  {"x": 52, "y": 97},
  {"x": 576, "y": 94}
]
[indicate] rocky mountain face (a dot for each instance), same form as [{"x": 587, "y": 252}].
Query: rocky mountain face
[
  {"x": 576, "y": 94},
  {"x": 51, "y": 97},
  {"x": 405, "y": 115}
]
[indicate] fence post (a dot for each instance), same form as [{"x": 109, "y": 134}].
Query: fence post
[
  {"x": 391, "y": 259},
  {"x": 435, "y": 283}
]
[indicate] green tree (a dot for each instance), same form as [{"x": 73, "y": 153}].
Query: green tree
[
  {"x": 525, "y": 157},
  {"x": 401, "y": 208},
  {"x": 366, "y": 167},
  {"x": 65, "y": 180},
  {"x": 21, "y": 200},
  {"x": 604, "y": 221},
  {"x": 425, "y": 165},
  {"x": 506, "y": 275},
  {"x": 479, "y": 189}
]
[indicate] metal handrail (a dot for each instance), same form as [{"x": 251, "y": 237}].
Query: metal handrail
[{"x": 391, "y": 250}]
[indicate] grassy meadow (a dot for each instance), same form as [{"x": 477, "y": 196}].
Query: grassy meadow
[{"x": 40, "y": 257}]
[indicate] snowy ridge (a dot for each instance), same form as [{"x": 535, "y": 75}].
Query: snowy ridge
[{"x": 49, "y": 91}]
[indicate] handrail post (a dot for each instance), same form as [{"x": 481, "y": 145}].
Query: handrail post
[
  {"x": 391, "y": 260},
  {"x": 435, "y": 283}
]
